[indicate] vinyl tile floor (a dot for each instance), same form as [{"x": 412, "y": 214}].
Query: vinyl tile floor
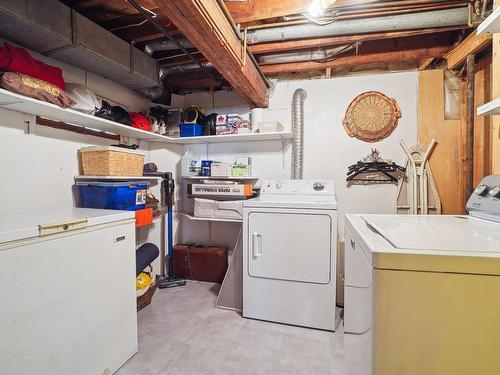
[{"x": 182, "y": 333}]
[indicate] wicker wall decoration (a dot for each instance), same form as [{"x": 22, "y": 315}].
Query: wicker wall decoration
[{"x": 371, "y": 116}]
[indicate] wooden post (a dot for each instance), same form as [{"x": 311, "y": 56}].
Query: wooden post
[
  {"x": 495, "y": 93},
  {"x": 469, "y": 135}
]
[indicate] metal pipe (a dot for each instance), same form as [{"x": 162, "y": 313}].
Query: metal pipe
[
  {"x": 401, "y": 3},
  {"x": 469, "y": 135},
  {"x": 317, "y": 55},
  {"x": 411, "y": 21},
  {"x": 298, "y": 134},
  {"x": 350, "y": 15},
  {"x": 165, "y": 32}
]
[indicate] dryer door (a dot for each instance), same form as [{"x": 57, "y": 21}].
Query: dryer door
[{"x": 290, "y": 246}]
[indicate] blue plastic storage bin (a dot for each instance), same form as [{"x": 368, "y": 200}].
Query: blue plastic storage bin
[
  {"x": 191, "y": 130},
  {"x": 113, "y": 195}
]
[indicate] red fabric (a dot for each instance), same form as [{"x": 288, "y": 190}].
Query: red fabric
[
  {"x": 18, "y": 60},
  {"x": 140, "y": 121}
]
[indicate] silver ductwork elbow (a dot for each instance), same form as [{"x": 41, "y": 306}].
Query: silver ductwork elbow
[
  {"x": 155, "y": 92},
  {"x": 298, "y": 134}
]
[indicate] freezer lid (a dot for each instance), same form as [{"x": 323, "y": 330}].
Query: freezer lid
[
  {"x": 445, "y": 235},
  {"x": 25, "y": 225}
]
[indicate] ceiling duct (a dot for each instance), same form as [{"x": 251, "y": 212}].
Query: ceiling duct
[
  {"x": 53, "y": 29},
  {"x": 412, "y": 21},
  {"x": 166, "y": 45},
  {"x": 317, "y": 55}
]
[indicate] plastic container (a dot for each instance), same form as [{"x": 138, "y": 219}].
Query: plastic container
[
  {"x": 143, "y": 217},
  {"x": 191, "y": 130},
  {"x": 113, "y": 195}
]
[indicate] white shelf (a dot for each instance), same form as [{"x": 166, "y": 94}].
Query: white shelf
[
  {"x": 194, "y": 218},
  {"x": 490, "y": 108},
  {"x": 24, "y": 104},
  {"x": 250, "y": 178},
  {"x": 21, "y": 103},
  {"x": 491, "y": 24},
  {"x": 235, "y": 138}
]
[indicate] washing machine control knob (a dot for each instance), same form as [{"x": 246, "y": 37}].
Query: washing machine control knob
[
  {"x": 277, "y": 185},
  {"x": 481, "y": 190},
  {"x": 318, "y": 186},
  {"x": 495, "y": 192}
]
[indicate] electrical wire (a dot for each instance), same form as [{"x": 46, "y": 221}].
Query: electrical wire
[
  {"x": 331, "y": 56},
  {"x": 153, "y": 15}
]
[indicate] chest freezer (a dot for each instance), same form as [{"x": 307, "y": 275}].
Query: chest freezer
[{"x": 67, "y": 288}]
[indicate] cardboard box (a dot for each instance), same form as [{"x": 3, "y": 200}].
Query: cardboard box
[
  {"x": 223, "y": 190},
  {"x": 220, "y": 169}
]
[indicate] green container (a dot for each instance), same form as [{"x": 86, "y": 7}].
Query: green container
[{"x": 240, "y": 170}]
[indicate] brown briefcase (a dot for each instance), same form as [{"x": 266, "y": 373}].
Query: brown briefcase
[{"x": 200, "y": 263}]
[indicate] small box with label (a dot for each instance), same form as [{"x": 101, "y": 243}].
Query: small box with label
[{"x": 220, "y": 169}]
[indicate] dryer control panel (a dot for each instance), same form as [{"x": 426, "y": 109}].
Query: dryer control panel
[
  {"x": 485, "y": 200},
  {"x": 297, "y": 187}
]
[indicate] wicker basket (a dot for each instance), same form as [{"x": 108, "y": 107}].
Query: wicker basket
[
  {"x": 145, "y": 299},
  {"x": 371, "y": 116},
  {"x": 111, "y": 161}
]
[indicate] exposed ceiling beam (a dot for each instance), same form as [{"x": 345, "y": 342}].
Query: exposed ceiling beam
[
  {"x": 204, "y": 23},
  {"x": 471, "y": 45},
  {"x": 325, "y": 42},
  {"x": 255, "y": 10},
  {"x": 424, "y": 63},
  {"x": 384, "y": 51}
]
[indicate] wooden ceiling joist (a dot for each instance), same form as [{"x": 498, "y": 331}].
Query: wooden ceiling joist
[
  {"x": 204, "y": 23},
  {"x": 256, "y": 10},
  {"x": 384, "y": 51},
  {"x": 292, "y": 45},
  {"x": 471, "y": 45}
]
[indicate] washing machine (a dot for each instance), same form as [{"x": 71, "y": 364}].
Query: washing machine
[
  {"x": 290, "y": 251},
  {"x": 422, "y": 293}
]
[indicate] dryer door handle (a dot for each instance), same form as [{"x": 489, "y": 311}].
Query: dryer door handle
[{"x": 256, "y": 245}]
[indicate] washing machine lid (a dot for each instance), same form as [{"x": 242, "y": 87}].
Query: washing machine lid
[
  {"x": 439, "y": 244},
  {"x": 446, "y": 235}
]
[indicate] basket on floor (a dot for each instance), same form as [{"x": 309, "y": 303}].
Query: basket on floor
[
  {"x": 111, "y": 161},
  {"x": 145, "y": 299}
]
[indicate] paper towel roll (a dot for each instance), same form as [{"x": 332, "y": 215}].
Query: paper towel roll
[{"x": 256, "y": 116}]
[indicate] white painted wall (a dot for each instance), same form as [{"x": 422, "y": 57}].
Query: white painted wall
[
  {"x": 328, "y": 150},
  {"x": 38, "y": 164}
]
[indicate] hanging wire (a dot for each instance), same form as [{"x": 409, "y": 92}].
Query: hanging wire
[{"x": 153, "y": 15}]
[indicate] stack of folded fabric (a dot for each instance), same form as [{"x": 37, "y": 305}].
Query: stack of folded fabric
[{"x": 22, "y": 74}]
